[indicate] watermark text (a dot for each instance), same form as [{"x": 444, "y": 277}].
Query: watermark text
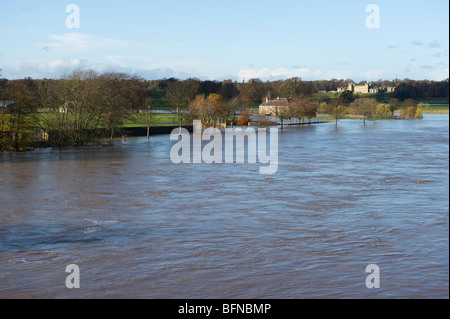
[
  {"x": 73, "y": 19},
  {"x": 373, "y": 20},
  {"x": 221, "y": 147}
]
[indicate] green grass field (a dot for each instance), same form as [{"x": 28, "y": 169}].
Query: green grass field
[
  {"x": 320, "y": 96},
  {"x": 138, "y": 120},
  {"x": 434, "y": 100},
  {"x": 159, "y": 100},
  {"x": 437, "y": 109}
]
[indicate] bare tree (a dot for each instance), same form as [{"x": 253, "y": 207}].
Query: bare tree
[
  {"x": 302, "y": 107},
  {"x": 200, "y": 109},
  {"x": 121, "y": 95},
  {"x": 231, "y": 108},
  {"x": 365, "y": 107},
  {"x": 228, "y": 90},
  {"x": 311, "y": 110},
  {"x": 18, "y": 117},
  {"x": 180, "y": 94},
  {"x": 394, "y": 103},
  {"x": 409, "y": 112},
  {"x": 216, "y": 103},
  {"x": 290, "y": 87},
  {"x": 384, "y": 110},
  {"x": 149, "y": 120},
  {"x": 146, "y": 117},
  {"x": 79, "y": 106},
  {"x": 135, "y": 91},
  {"x": 297, "y": 107},
  {"x": 73, "y": 108},
  {"x": 114, "y": 101},
  {"x": 82, "y": 94},
  {"x": 282, "y": 113},
  {"x": 334, "y": 110},
  {"x": 253, "y": 92}
]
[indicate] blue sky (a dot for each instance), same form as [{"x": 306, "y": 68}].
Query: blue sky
[{"x": 315, "y": 40}]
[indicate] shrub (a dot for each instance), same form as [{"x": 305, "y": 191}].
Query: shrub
[{"x": 384, "y": 110}]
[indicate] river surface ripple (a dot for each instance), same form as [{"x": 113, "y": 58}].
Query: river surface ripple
[{"x": 139, "y": 226}]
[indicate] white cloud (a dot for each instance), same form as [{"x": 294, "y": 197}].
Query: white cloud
[
  {"x": 55, "y": 69},
  {"x": 150, "y": 68},
  {"x": 273, "y": 74},
  {"x": 417, "y": 43},
  {"x": 374, "y": 74},
  {"x": 309, "y": 74},
  {"x": 434, "y": 44},
  {"x": 438, "y": 75},
  {"x": 184, "y": 68},
  {"x": 39, "y": 69},
  {"x": 77, "y": 42}
]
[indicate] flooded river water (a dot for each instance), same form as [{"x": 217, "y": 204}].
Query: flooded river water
[{"x": 139, "y": 226}]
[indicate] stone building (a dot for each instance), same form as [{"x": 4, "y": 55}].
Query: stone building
[
  {"x": 270, "y": 108},
  {"x": 390, "y": 89},
  {"x": 365, "y": 88}
]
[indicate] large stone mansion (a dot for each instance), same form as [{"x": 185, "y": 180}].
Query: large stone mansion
[{"x": 365, "y": 88}]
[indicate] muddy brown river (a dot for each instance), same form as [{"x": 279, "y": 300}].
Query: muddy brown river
[{"x": 139, "y": 226}]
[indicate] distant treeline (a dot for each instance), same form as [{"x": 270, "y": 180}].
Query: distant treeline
[
  {"x": 84, "y": 106},
  {"x": 255, "y": 91},
  {"x": 409, "y": 89}
]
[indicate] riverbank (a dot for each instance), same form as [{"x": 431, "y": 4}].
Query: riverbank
[{"x": 437, "y": 109}]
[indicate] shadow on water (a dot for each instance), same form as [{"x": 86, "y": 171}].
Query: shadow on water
[
  {"x": 117, "y": 151},
  {"x": 33, "y": 237}
]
